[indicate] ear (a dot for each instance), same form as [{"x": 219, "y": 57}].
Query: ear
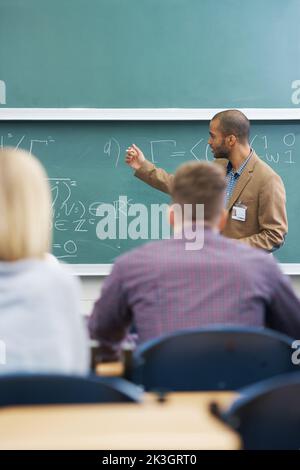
[
  {"x": 223, "y": 219},
  {"x": 231, "y": 140}
]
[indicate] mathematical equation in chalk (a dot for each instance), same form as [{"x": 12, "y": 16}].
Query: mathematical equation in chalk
[
  {"x": 33, "y": 145},
  {"x": 156, "y": 150},
  {"x": 200, "y": 150},
  {"x": 72, "y": 217}
]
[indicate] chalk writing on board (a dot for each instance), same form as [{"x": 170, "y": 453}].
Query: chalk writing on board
[
  {"x": 160, "y": 143},
  {"x": 296, "y": 94},
  {"x": 72, "y": 216},
  {"x": 4, "y": 140},
  {"x": 157, "y": 146},
  {"x": 112, "y": 149},
  {"x": 193, "y": 149},
  {"x": 61, "y": 193},
  {"x": 93, "y": 207},
  {"x": 285, "y": 156},
  {"x": 35, "y": 143},
  {"x": 32, "y": 145},
  {"x": 199, "y": 151},
  {"x": 178, "y": 154},
  {"x": 120, "y": 206},
  {"x": 208, "y": 153},
  {"x": 159, "y": 149},
  {"x": 68, "y": 215},
  {"x": 69, "y": 249},
  {"x": 2, "y": 92}
]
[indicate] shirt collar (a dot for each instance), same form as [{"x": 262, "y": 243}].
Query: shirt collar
[{"x": 241, "y": 168}]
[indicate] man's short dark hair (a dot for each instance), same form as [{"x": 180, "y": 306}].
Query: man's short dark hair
[
  {"x": 200, "y": 183},
  {"x": 234, "y": 122}
]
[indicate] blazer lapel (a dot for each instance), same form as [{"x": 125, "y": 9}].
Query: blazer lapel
[{"x": 243, "y": 180}]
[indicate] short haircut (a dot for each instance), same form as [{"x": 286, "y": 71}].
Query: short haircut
[
  {"x": 234, "y": 122},
  {"x": 200, "y": 183},
  {"x": 25, "y": 206}
]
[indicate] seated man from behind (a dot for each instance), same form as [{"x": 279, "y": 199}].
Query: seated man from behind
[{"x": 163, "y": 286}]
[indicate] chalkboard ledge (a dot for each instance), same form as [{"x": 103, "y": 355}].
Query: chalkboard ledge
[
  {"x": 91, "y": 269},
  {"x": 292, "y": 269},
  {"x": 139, "y": 114}
]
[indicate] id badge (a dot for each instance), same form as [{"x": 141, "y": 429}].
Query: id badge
[{"x": 239, "y": 212}]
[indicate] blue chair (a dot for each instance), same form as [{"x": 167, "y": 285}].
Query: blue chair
[
  {"x": 268, "y": 414},
  {"x": 214, "y": 358},
  {"x": 42, "y": 389}
]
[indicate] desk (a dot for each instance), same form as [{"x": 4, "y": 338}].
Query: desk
[
  {"x": 182, "y": 422},
  {"x": 110, "y": 369}
]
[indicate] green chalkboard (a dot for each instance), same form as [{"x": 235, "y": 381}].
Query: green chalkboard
[
  {"x": 85, "y": 165},
  {"x": 150, "y": 53}
]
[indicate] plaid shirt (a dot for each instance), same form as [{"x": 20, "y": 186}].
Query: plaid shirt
[
  {"x": 232, "y": 177},
  {"x": 160, "y": 287}
]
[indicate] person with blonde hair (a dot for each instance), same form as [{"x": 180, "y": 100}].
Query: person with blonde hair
[{"x": 41, "y": 330}]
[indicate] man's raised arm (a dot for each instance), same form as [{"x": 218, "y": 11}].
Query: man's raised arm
[{"x": 147, "y": 171}]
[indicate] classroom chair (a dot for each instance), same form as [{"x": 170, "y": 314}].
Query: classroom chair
[
  {"x": 40, "y": 389},
  {"x": 214, "y": 358},
  {"x": 268, "y": 414}
]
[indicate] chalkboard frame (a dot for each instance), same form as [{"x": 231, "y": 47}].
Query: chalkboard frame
[
  {"x": 292, "y": 269},
  {"x": 140, "y": 114}
]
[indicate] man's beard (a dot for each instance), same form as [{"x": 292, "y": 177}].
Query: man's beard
[{"x": 221, "y": 152}]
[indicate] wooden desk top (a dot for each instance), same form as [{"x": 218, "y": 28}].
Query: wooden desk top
[
  {"x": 110, "y": 369},
  {"x": 182, "y": 422}
]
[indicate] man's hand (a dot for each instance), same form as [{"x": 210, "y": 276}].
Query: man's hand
[{"x": 134, "y": 157}]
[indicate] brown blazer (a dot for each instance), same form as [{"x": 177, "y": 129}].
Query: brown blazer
[{"x": 259, "y": 188}]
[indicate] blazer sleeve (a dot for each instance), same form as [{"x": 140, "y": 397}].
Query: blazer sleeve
[
  {"x": 272, "y": 217},
  {"x": 155, "y": 177}
]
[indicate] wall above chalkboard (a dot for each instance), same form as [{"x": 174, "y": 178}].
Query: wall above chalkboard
[{"x": 150, "y": 54}]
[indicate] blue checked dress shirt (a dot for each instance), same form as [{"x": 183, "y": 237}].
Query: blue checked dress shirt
[{"x": 233, "y": 176}]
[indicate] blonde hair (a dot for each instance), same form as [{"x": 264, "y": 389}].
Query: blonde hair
[
  {"x": 25, "y": 206},
  {"x": 200, "y": 183}
]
